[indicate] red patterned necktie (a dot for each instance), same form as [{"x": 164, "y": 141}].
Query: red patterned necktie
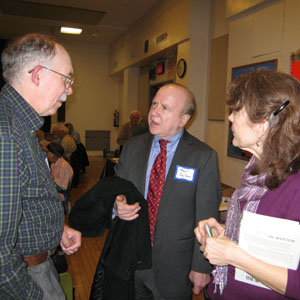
[{"x": 156, "y": 184}]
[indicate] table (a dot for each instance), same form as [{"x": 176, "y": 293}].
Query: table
[{"x": 227, "y": 191}]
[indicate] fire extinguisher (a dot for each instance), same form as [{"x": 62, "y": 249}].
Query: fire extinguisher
[{"x": 116, "y": 118}]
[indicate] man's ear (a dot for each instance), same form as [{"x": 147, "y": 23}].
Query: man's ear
[
  {"x": 184, "y": 119},
  {"x": 35, "y": 75}
]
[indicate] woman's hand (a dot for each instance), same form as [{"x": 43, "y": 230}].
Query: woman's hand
[
  {"x": 219, "y": 251},
  {"x": 213, "y": 248},
  {"x": 222, "y": 251},
  {"x": 216, "y": 228}
]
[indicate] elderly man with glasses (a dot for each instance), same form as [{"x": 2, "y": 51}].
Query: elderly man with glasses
[{"x": 38, "y": 72}]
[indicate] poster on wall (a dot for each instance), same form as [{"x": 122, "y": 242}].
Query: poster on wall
[
  {"x": 295, "y": 64},
  {"x": 233, "y": 151}
]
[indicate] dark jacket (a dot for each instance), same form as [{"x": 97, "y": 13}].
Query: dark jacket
[{"x": 127, "y": 246}]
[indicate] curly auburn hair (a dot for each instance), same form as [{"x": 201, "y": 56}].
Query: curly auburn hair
[{"x": 261, "y": 93}]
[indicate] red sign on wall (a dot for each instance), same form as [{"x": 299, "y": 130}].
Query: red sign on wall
[{"x": 295, "y": 69}]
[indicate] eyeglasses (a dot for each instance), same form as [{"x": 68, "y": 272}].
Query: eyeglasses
[{"x": 68, "y": 80}]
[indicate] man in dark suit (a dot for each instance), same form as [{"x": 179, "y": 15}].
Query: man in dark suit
[{"x": 191, "y": 192}]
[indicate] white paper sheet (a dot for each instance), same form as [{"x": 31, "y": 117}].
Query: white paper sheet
[{"x": 273, "y": 240}]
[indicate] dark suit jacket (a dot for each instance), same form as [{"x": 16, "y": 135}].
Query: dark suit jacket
[
  {"x": 127, "y": 246},
  {"x": 183, "y": 204}
]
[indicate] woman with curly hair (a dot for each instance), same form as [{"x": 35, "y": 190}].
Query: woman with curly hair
[{"x": 265, "y": 116}]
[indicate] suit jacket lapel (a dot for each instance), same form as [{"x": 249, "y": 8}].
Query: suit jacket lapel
[
  {"x": 143, "y": 157},
  {"x": 182, "y": 151}
]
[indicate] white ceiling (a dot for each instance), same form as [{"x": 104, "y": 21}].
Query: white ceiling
[{"x": 119, "y": 16}]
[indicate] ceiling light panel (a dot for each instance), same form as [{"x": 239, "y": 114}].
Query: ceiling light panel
[{"x": 70, "y": 30}]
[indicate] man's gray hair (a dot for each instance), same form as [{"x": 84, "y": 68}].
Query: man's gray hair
[{"x": 25, "y": 53}]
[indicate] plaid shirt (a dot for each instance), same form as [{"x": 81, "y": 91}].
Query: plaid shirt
[{"x": 31, "y": 214}]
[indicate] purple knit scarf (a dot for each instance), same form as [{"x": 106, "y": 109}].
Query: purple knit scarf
[{"x": 252, "y": 190}]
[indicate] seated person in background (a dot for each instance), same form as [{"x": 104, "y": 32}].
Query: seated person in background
[
  {"x": 67, "y": 142},
  {"x": 61, "y": 171},
  {"x": 81, "y": 156},
  {"x": 127, "y": 129},
  {"x": 41, "y": 137},
  {"x": 265, "y": 108},
  {"x": 142, "y": 126},
  {"x": 75, "y": 134},
  {"x": 56, "y": 138}
]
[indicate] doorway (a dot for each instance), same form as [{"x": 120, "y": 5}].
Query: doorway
[{"x": 154, "y": 88}]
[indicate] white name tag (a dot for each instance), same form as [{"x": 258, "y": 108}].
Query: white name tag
[{"x": 185, "y": 173}]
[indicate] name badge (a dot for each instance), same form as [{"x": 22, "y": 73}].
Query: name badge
[{"x": 185, "y": 173}]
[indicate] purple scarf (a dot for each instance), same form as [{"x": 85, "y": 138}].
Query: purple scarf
[{"x": 252, "y": 190}]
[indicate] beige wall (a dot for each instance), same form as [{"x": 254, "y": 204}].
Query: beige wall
[
  {"x": 130, "y": 92},
  {"x": 143, "y": 104},
  {"x": 219, "y": 23},
  {"x": 215, "y": 130},
  {"x": 171, "y": 16},
  {"x": 199, "y": 59},
  {"x": 267, "y": 33},
  {"x": 235, "y": 7},
  {"x": 95, "y": 94}
]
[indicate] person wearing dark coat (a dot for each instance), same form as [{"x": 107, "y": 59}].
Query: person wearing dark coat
[
  {"x": 127, "y": 246},
  {"x": 190, "y": 191}
]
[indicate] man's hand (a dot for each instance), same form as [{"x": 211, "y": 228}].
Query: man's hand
[
  {"x": 126, "y": 211},
  {"x": 70, "y": 240},
  {"x": 200, "y": 280}
]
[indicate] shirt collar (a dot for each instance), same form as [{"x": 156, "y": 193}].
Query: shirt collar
[
  {"x": 172, "y": 140},
  {"x": 22, "y": 108}
]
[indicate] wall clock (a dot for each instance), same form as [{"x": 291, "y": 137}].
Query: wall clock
[{"x": 181, "y": 68}]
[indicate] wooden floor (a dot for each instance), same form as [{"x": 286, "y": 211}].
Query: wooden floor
[{"x": 82, "y": 264}]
